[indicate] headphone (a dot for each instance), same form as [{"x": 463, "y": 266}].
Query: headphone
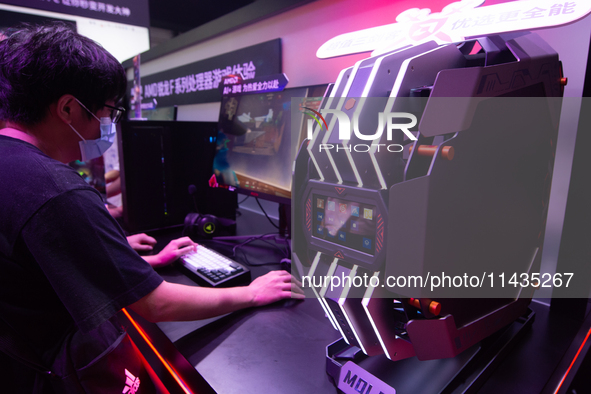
[
  {"x": 199, "y": 225},
  {"x": 207, "y": 226}
]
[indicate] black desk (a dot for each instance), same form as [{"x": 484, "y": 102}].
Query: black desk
[{"x": 280, "y": 348}]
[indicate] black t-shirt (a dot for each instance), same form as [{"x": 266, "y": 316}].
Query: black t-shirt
[{"x": 65, "y": 263}]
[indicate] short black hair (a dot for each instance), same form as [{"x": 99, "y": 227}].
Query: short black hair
[{"x": 39, "y": 64}]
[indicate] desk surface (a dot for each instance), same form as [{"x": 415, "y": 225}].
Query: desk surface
[{"x": 280, "y": 348}]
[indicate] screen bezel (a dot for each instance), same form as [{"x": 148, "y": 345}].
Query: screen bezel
[{"x": 354, "y": 194}]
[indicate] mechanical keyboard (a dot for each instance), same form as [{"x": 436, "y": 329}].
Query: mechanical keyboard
[{"x": 209, "y": 268}]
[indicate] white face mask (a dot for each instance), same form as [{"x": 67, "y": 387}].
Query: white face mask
[{"x": 91, "y": 149}]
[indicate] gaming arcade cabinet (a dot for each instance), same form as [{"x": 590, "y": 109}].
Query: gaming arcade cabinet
[{"x": 423, "y": 193}]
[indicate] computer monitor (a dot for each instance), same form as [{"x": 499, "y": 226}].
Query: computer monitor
[
  {"x": 159, "y": 161},
  {"x": 256, "y": 146},
  {"x": 10, "y": 19}
]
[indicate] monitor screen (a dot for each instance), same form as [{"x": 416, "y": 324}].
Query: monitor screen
[
  {"x": 123, "y": 41},
  {"x": 11, "y": 19},
  {"x": 256, "y": 147},
  {"x": 348, "y": 223}
]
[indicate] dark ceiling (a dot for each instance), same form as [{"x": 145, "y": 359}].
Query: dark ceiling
[{"x": 181, "y": 16}]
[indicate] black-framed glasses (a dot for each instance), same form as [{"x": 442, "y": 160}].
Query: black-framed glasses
[{"x": 116, "y": 113}]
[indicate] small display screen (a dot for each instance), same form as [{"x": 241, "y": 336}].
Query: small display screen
[{"x": 344, "y": 222}]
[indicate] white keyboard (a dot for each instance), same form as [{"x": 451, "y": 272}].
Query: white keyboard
[{"x": 213, "y": 269}]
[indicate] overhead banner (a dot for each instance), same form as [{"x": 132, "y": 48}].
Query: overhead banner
[
  {"x": 200, "y": 82},
  {"x": 456, "y": 22},
  {"x": 130, "y": 12}
]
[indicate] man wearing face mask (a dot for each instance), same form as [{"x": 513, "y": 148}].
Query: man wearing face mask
[
  {"x": 67, "y": 267},
  {"x": 91, "y": 149}
]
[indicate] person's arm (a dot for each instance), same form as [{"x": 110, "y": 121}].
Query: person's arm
[
  {"x": 175, "y": 302},
  {"x": 113, "y": 182},
  {"x": 168, "y": 255},
  {"x": 116, "y": 212},
  {"x": 141, "y": 242}
]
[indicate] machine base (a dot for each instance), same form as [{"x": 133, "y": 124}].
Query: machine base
[{"x": 354, "y": 372}]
